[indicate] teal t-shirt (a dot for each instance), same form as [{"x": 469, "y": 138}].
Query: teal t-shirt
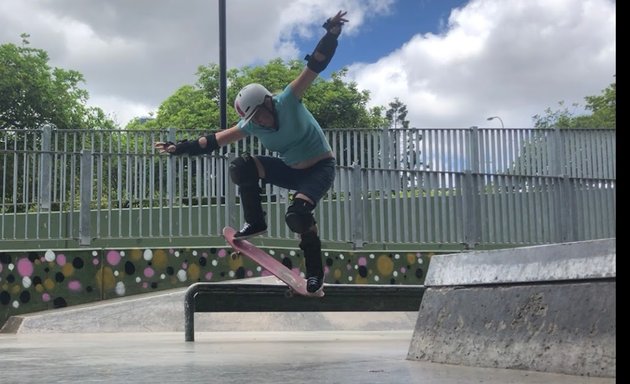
[{"x": 299, "y": 136}]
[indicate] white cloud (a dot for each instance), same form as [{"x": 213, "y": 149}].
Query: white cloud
[
  {"x": 494, "y": 57},
  {"x": 121, "y": 110},
  {"x": 135, "y": 54},
  {"x": 511, "y": 59}
]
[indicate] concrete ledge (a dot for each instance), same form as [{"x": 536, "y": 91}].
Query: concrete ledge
[
  {"x": 568, "y": 261},
  {"x": 532, "y": 327},
  {"x": 545, "y": 308}
]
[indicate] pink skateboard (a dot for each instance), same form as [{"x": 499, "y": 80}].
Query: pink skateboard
[{"x": 291, "y": 278}]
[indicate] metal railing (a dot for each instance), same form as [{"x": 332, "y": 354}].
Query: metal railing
[{"x": 465, "y": 187}]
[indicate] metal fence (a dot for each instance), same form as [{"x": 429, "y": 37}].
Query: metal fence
[{"x": 470, "y": 187}]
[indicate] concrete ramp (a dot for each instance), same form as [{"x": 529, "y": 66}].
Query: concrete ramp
[
  {"x": 544, "y": 308},
  {"x": 164, "y": 312}
]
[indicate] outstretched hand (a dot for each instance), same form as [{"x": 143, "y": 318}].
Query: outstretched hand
[{"x": 334, "y": 24}]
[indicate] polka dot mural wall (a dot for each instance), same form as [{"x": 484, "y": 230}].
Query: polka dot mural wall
[{"x": 38, "y": 280}]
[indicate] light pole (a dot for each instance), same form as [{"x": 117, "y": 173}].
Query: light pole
[{"x": 496, "y": 117}]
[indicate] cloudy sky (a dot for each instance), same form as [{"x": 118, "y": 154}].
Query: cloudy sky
[{"x": 452, "y": 62}]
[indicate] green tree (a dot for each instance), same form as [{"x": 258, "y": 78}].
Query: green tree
[
  {"x": 409, "y": 156},
  {"x": 339, "y": 104},
  {"x": 335, "y": 103},
  {"x": 187, "y": 108},
  {"x": 604, "y": 108},
  {"x": 537, "y": 146},
  {"x": 138, "y": 123},
  {"x": 397, "y": 114},
  {"x": 603, "y": 114},
  {"x": 559, "y": 118},
  {"x": 33, "y": 94}
]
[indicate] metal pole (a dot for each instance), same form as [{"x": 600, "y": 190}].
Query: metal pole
[
  {"x": 222, "y": 69},
  {"x": 356, "y": 207},
  {"x": 85, "y": 224},
  {"x": 189, "y": 312},
  {"x": 45, "y": 167},
  {"x": 470, "y": 192},
  {"x": 232, "y": 213}
]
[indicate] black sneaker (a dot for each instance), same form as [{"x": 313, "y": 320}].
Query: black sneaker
[
  {"x": 250, "y": 230},
  {"x": 314, "y": 284}
]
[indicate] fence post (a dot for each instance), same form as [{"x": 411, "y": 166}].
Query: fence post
[
  {"x": 230, "y": 194},
  {"x": 385, "y": 161},
  {"x": 470, "y": 191},
  {"x": 556, "y": 151},
  {"x": 170, "y": 170},
  {"x": 356, "y": 209},
  {"x": 566, "y": 204},
  {"x": 85, "y": 190},
  {"x": 567, "y": 207},
  {"x": 45, "y": 167}
]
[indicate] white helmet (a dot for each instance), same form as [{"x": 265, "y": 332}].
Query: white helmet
[{"x": 249, "y": 99}]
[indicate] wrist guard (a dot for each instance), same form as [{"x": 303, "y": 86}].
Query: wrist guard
[
  {"x": 326, "y": 47},
  {"x": 193, "y": 148}
]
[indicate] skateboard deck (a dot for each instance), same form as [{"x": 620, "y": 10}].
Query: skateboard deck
[{"x": 291, "y": 278}]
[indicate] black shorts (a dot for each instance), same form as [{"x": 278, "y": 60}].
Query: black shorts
[{"x": 313, "y": 182}]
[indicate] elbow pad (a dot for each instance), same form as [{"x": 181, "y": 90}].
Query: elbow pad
[{"x": 326, "y": 47}]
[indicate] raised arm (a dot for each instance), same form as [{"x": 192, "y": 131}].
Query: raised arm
[{"x": 321, "y": 56}]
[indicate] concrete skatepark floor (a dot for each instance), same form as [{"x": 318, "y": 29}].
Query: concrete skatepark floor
[{"x": 238, "y": 357}]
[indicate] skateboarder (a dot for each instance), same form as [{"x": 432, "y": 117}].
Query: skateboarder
[{"x": 305, "y": 161}]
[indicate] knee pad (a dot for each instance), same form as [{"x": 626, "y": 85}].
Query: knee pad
[
  {"x": 299, "y": 216},
  {"x": 243, "y": 171}
]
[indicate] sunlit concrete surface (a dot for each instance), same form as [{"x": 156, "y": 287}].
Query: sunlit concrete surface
[
  {"x": 547, "y": 308},
  {"x": 239, "y": 357},
  {"x": 141, "y": 340}
]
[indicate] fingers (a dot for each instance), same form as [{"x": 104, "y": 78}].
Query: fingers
[
  {"x": 163, "y": 147},
  {"x": 339, "y": 17},
  {"x": 334, "y": 24}
]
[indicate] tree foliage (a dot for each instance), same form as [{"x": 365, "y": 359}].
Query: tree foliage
[
  {"x": 603, "y": 114},
  {"x": 33, "y": 94},
  {"x": 335, "y": 103},
  {"x": 397, "y": 114},
  {"x": 539, "y": 145}
]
